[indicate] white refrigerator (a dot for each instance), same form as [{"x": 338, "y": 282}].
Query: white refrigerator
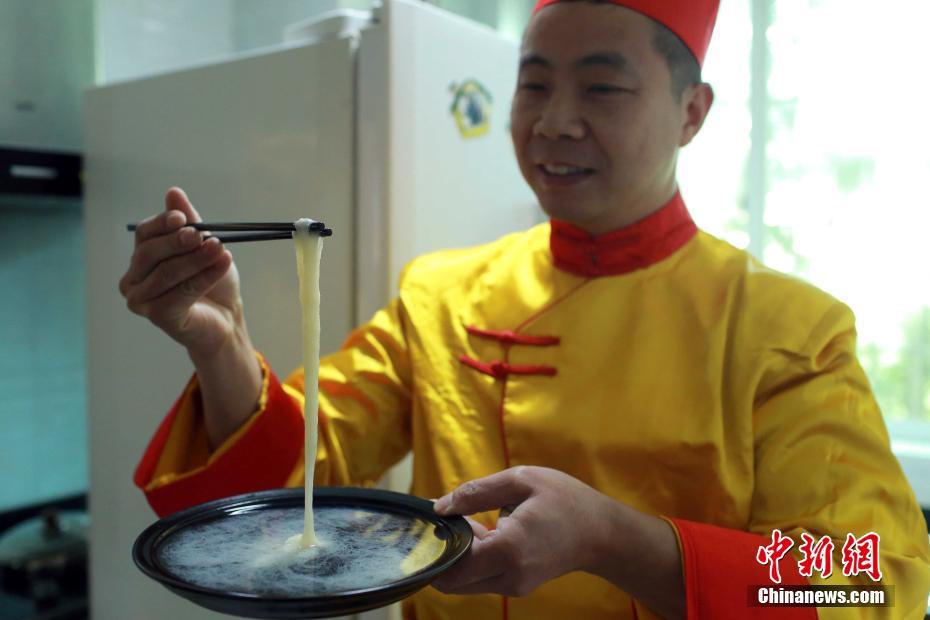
[{"x": 392, "y": 127}]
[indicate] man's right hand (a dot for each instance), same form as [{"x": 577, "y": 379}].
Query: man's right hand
[
  {"x": 186, "y": 286},
  {"x": 189, "y": 288}
]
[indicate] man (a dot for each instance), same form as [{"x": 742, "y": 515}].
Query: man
[{"x": 641, "y": 403}]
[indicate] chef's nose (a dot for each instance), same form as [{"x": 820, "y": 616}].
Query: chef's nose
[{"x": 560, "y": 118}]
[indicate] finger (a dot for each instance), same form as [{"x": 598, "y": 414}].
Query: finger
[
  {"x": 477, "y": 529},
  {"x": 159, "y": 224},
  {"x": 503, "y": 489},
  {"x": 507, "y": 585},
  {"x": 175, "y": 303},
  {"x": 489, "y": 557},
  {"x": 171, "y": 272},
  {"x": 150, "y": 253},
  {"x": 176, "y": 199}
]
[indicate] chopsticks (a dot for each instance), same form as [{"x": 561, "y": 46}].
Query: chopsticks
[{"x": 251, "y": 231}]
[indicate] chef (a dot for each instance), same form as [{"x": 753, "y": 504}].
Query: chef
[{"x": 626, "y": 406}]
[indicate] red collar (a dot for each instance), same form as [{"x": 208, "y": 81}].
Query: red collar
[{"x": 639, "y": 245}]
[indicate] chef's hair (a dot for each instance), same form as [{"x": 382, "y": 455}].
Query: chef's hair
[{"x": 684, "y": 67}]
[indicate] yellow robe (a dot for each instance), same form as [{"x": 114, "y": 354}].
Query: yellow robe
[{"x": 702, "y": 387}]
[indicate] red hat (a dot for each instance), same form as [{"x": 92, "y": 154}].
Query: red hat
[{"x": 692, "y": 20}]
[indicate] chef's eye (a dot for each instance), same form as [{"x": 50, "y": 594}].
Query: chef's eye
[
  {"x": 532, "y": 86},
  {"x": 605, "y": 89}
]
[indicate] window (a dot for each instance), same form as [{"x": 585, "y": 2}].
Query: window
[
  {"x": 844, "y": 208},
  {"x": 818, "y": 171}
]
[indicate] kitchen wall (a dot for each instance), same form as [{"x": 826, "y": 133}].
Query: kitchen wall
[
  {"x": 46, "y": 59},
  {"x": 42, "y": 392}
]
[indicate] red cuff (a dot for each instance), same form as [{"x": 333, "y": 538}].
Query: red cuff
[
  {"x": 719, "y": 568},
  {"x": 263, "y": 458}
]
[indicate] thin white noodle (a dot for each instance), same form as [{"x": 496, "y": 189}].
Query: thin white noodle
[{"x": 309, "y": 252}]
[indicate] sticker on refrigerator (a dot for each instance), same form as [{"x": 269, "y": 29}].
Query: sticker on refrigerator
[{"x": 471, "y": 108}]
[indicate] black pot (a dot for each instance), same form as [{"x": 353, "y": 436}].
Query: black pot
[
  {"x": 45, "y": 558},
  {"x": 450, "y": 537}
]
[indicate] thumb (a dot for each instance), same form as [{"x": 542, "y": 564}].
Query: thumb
[
  {"x": 176, "y": 200},
  {"x": 506, "y": 488}
]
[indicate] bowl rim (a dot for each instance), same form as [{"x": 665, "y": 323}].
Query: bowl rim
[{"x": 459, "y": 532}]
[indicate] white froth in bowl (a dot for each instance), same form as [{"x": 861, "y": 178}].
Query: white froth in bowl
[{"x": 246, "y": 553}]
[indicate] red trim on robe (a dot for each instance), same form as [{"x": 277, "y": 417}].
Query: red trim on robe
[
  {"x": 508, "y": 337},
  {"x": 501, "y": 370},
  {"x": 719, "y": 567},
  {"x": 500, "y": 415},
  {"x": 263, "y": 458},
  {"x": 637, "y": 246}
]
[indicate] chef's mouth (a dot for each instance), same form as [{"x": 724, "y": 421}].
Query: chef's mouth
[{"x": 564, "y": 174}]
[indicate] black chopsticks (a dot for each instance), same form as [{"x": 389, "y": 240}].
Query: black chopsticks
[{"x": 251, "y": 231}]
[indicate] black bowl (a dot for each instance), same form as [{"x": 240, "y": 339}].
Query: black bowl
[{"x": 454, "y": 533}]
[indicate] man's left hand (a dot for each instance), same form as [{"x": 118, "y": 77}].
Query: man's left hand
[
  {"x": 545, "y": 530},
  {"x": 552, "y": 524}
]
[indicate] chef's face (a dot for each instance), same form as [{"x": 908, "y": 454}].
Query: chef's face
[{"x": 594, "y": 120}]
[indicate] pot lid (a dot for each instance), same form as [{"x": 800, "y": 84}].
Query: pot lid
[{"x": 51, "y": 533}]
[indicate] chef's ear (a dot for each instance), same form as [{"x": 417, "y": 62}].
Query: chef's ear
[{"x": 696, "y": 101}]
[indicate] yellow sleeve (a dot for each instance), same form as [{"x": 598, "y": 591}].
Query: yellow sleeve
[
  {"x": 364, "y": 427},
  {"x": 364, "y": 416},
  {"x": 823, "y": 465}
]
